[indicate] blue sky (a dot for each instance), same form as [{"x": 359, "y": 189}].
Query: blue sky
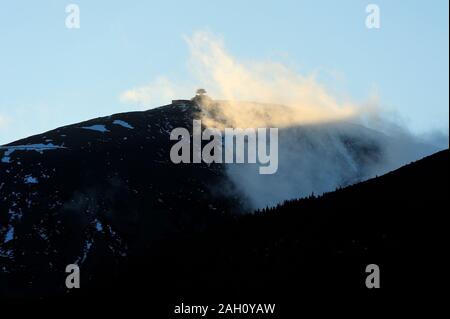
[{"x": 52, "y": 76}]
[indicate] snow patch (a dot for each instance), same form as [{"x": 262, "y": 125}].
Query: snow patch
[
  {"x": 86, "y": 248},
  {"x": 30, "y": 180},
  {"x": 10, "y": 234},
  {"x": 98, "y": 226},
  {"x": 40, "y": 148},
  {"x": 97, "y": 127},
  {"x": 123, "y": 124},
  {"x": 6, "y": 253}
]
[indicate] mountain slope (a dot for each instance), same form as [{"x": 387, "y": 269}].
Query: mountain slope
[{"x": 97, "y": 187}]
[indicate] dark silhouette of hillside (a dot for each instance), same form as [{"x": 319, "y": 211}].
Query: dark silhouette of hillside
[{"x": 312, "y": 248}]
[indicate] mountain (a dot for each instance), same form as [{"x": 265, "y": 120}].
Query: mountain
[
  {"x": 104, "y": 194},
  {"x": 95, "y": 188}
]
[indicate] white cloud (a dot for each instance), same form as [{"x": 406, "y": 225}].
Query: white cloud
[
  {"x": 226, "y": 78},
  {"x": 158, "y": 92}
]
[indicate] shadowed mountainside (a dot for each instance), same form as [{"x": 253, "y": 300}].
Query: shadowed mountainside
[{"x": 313, "y": 248}]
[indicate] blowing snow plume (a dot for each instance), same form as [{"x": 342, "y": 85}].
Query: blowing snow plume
[
  {"x": 324, "y": 141},
  {"x": 253, "y": 94},
  {"x": 261, "y": 94}
]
